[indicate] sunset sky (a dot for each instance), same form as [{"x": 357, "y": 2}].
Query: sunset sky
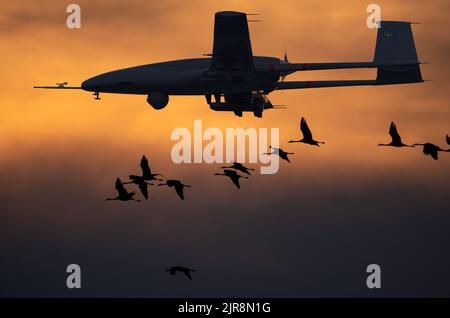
[{"x": 310, "y": 230}]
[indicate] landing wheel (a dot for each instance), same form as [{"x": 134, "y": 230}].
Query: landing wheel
[{"x": 97, "y": 95}]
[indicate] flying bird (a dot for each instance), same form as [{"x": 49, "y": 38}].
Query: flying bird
[
  {"x": 233, "y": 175},
  {"x": 178, "y": 186},
  {"x": 124, "y": 195},
  {"x": 186, "y": 271},
  {"x": 146, "y": 172},
  {"x": 240, "y": 167},
  {"x": 307, "y": 135},
  {"x": 432, "y": 150},
  {"x": 396, "y": 139},
  {"x": 281, "y": 153}
]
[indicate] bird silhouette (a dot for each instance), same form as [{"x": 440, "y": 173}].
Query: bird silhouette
[
  {"x": 307, "y": 135},
  {"x": 124, "y": 195},
  {"x": 178, "y": 186},
  {"x": 147, "y": 174},
  {"x": 240, "y": 167},
  {"x": 396, "y": 139},
  {"x": 447, "y": 139},
  {"x": 233, "y": 175},
  {"x": 186, "y": 271},
  {"x": 280, "y": 152},
  {"x": 432, "y": 150}
]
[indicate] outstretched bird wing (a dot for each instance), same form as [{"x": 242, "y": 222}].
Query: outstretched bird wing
[
  {"x": 146, "y": 172},
  {"x": 235, "y": 180},
  {"x": 179, "y": 188},
  {"x": 187, "y": 273},
  {"x": 143, "y": 186},
  {"x": 120, "y": 188},
  {"x": 435, "y": 155},
  {"x": 305, "y": 130},
  {"x": 234, "y": 176},
  {"x": 432, "y": 150},
  {"x": 396, "y": 139}
]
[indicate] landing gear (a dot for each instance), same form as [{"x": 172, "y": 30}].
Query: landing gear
[{"x": 97, "y": 95}]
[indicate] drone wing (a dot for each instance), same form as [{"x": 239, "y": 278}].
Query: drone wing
[{"x": 232, "y": 49}]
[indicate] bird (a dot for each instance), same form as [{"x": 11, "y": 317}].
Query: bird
[
  {"x": 124, "y": 195},
  {"x": 186, "y": 271},
  {"x": 281, "y": 153},
  {"x": 233, "y": 175},
  {"x": 396, "y": 139},
  {"x": 447, "y": 139},
  {"x": 178, "y": 186},
  {"x": 240, "y": 167},
  {"x": 146, "y": 172},
  {"x": 307, "y": 135},
  {"x": 432, "y": 150}
]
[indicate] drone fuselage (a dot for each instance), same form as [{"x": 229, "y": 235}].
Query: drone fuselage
[{"x": 185, "y": 77}]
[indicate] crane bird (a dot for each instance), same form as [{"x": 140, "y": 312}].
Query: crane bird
[
  {"x": 280, "y": 152},
  {"x": 186, "y": 271},
  {"x": 147, "y": 174},
  {"x": 396, "y": 139},
  {"x": 307, "y": 135},
  {"x": 233, "y": 175},
  {"x": 124, "y": 195},
  {"x": 432, "y": 150},
  {"x": 240, "y": 167},
  {"x": 178, "y": 186}
]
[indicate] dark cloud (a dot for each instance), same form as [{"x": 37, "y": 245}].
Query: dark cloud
[{"x": 310, "y": 236}]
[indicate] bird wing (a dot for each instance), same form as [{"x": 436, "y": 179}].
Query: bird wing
[
  {"x": 146, "y": 172},
  {"x": 432, "y": 150},
  {"x": 187, "y": 273},
  {"x": 434, "y": 154},
  {"x": 179, "y": 188},
  {"x": 143, "y": 186},
  {"x": 394, "y": 134},
  {"x": 120, "y": 188},
  {"x": 235, "y": 179},
  {"x": 305, "y": 129}
]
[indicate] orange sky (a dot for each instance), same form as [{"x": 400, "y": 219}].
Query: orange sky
[{"x": 37, "y": 48}]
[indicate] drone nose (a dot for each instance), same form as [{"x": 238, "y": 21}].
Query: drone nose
[{"x": 88, "y": 85}]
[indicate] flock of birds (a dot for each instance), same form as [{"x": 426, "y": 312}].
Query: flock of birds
[
  {"x": 147, "y": 178},
  {"x": 428, "y": 149},
  {"x": 143, "y": 181}
]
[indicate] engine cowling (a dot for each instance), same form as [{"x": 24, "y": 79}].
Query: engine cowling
[{"x": 158, "y": 100}]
